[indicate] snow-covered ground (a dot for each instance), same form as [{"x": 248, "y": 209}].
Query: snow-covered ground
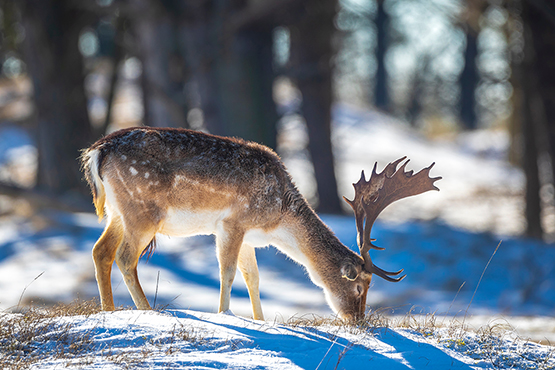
[
  {"x": 443, "y": 240},
  {"x": 178, "y": 339}
]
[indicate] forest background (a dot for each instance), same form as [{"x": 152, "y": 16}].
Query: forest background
[{"x": 72, "y": 71}]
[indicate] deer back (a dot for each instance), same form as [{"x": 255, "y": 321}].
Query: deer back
[{"x": 156, "y": 173}]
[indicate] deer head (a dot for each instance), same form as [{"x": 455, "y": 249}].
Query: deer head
[{"x": 371, "y": 198}]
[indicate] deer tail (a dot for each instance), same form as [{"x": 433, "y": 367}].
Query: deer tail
[{"x": 91, "y": 165}]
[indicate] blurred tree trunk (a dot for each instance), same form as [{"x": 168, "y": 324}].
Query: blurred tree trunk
[
  {"x": 381, "y": 92},
  {"x": 470, "y": 76},
  {"x": 311, "y": 58},
  {"x": 417, "y": 90},
  {"x": 538, "y": 81},
  {"x": 228, "y": 49},
  {"x": 540, "y": 21},
  {"x": 198, "y": 42},
  {"x": 118, "y": 55},
  {"x": 523, "y": 127},
  {"x": 468, "y": 81},
  {"x": 244, "y": 76},
  {"x": 529, "y": 115},
  {"x": 52, "y": 29},
  {"x": 155, "y": 31}
]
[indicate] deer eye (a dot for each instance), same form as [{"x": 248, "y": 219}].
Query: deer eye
[{"x": 349, "y": 272}]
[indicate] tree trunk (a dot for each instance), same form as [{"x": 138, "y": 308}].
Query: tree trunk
[
  {"x": 468, "y": 82},
  {"x": 117, "y": 57},
  {"x": 523, "y": 127},
  {"x": 531, "y": 155},
  {"x": 52, "y": 29},
  {"x": 311, "y": 58},
  {"x": 234, "y": 73},
  {"x": 199, "y": 44},
  {"x": 381, "y": 92},
  {"x": 164, "y": 104},
  {"x": 542, "y": 32},
  {"x": 539, "y": 75},
  {"x": 244, "y": 86}
]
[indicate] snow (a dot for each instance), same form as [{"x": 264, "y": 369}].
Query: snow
[
  {"x": 18, "y": 156},
  {"x": 187, "y": 339},
  {"x": 443, "y": 240}
]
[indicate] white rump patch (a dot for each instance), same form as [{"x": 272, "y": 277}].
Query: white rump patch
[{"x": 92, "y": 159}]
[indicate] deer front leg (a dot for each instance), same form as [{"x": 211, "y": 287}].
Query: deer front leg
[
  {"x": 249, "y": 269},
  {"x": 104, "y": 253},
  {"x": 127, "y": 258},
  {"x": 228, "y": 245}
]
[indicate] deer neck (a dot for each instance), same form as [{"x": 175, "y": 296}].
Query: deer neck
[{"x": 307, "y": 240}]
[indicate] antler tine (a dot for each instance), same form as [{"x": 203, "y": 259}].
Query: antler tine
[
  {"x": 386, "y": 275},
  {"x": 391, "y": 167},
  {"x": 361, "y": 189},
  {"x": 374, "y": 195},
  {"x": 368, "y": 201}
]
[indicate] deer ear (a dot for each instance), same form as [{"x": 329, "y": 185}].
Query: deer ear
[{"x": 350, "y": 271}]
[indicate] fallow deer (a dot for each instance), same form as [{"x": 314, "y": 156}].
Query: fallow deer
[{"x": 180, "y": 182}]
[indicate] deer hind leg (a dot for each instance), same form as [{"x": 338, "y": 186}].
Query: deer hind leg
[
  {"x": 228, "y": 244},
  {"x": 249, "y": 270},
  {"x": 104, "y": 253},
  {"x": 127, "y": 258}
]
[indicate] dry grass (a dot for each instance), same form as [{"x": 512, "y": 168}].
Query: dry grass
[
  {"x": 36, "y": 334},
  {"x": 24, "y": 335},
  {"x": 373, "y": 320}
]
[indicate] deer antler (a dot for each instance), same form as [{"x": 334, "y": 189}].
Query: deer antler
[{"x": 374, "y": 195}]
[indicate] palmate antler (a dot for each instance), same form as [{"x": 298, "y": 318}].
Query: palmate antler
[{"x": 374, "y": 195}]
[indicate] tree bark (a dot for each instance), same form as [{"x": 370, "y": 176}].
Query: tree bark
[
  {"x": 245, "y": 82},
  {"x": 539, "y": 88},
  {"x": 164, "y": 104},
  {"x": 468, "y": 81},
  {"x": 542, "y": 40},
  {"x": 311, "y": 58},
  {"x": 232, "y": 64},
  {"x": 117, "y": 57},
  {"x": 381, "y": 92},
  {"x": 52, "y": 30},
  {"x": 531, "y": 156}
]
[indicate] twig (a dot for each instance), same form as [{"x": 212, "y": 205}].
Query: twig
[
  {"x": 28, "y": 285},
  {"x": 452, "y": 302},
  {"x": 329, "y": 349},
  {"x": 479, "y": 281},
  {"x": 341, "y": 355},
  {"x": 156, "y": 293}
]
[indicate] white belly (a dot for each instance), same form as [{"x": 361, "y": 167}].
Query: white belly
[
  {"x": 179, "y": 222},
  {"x": 280, "y": 237},
  {"x": 187, "y": 223}
]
